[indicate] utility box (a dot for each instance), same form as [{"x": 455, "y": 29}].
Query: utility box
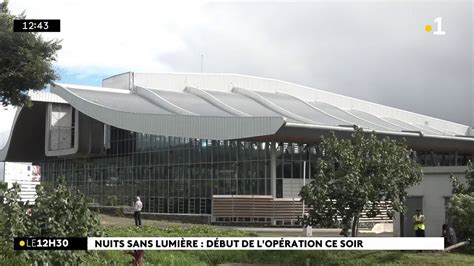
[{"x": 308, "y": 231}]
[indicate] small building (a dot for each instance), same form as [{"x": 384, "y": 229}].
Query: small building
[
  {"x": 26, "y": 175},
  {"x": 222, "y": 147}
]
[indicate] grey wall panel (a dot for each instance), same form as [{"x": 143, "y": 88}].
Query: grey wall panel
[
  {"x": 122, "y": 81},
  {"x": 6, "y": 146},
  {"x": 26, "y": 141}
]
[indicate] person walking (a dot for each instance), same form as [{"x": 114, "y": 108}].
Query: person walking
[
  {"x": 137, "y": 211},
  {"x": 419, "y": 223}
]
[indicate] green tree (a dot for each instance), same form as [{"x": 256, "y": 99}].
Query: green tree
[
  {"x": 461, "y": 209},
  {"x": 356, "y": 174},
  {"x": 25, "y": 60},
  {"x": 61, "y": 212},
  {"x": 458, "y": 186}
]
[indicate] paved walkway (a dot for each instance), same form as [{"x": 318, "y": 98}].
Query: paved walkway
[
  {"x": 108, "y": 220},
  {"x": 317, "y": 232}
]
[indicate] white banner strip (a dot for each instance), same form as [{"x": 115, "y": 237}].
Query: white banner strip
[{"x": 265, "y": 243}]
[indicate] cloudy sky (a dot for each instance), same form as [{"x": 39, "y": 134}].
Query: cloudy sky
[{"x": 376, "y": 51}]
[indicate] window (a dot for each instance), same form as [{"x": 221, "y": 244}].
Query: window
[{"x": 62, "y": 122}]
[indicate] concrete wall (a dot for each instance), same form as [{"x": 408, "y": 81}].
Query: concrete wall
[{"x": 434, "y": 189}]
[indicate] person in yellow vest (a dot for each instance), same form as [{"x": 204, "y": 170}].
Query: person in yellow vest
[{"x": 419, "y": 223}]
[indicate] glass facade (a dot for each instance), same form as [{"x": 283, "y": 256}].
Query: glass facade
[
  {"x": 430, "y": 158},
  {"x": 290, "y": 159},
  {"x": 170, "y": 174},
  {"x": 180, "y": 175}
]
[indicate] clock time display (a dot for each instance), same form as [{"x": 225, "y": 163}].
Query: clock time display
[{"x": 36, "y": 25}]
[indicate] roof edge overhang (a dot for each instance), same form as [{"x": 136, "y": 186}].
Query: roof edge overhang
[
  {"x": 5, "y": 148},
  {"x": 415, "y": 140},
  {"x": 255, "y": 83},
  {"x": 208, "y": 127}
]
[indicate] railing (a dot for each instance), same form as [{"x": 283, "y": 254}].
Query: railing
[{"x": 255, "y": 209}]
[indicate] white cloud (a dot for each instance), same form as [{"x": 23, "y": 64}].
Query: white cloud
[
  {"x": 373, "y": 50},
  {"x": 121, "y": 35}
]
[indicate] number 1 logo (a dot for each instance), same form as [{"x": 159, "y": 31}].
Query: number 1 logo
[{"x": 439, "y": 26}]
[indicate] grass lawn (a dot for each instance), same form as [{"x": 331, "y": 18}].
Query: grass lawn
[{"x": 165, "y": 229}]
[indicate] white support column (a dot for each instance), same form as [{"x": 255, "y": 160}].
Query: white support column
[
  {"x": 273, "y": 171},
  {"x": 273, "y": 167},
  {"x": 304, "y": 181}
]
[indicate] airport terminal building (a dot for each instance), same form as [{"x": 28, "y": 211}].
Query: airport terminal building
[{"x": 228, "y": 147}]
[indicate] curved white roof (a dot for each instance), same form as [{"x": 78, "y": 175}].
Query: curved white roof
[
  {"x": 213, "y": 96},
  {"x": 228, "y": 106}
]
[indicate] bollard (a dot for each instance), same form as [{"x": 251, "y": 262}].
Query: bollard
[{"x": 308, "y": 231}]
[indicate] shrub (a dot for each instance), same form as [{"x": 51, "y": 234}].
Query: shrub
[
  {"x": 60, "y": 212},
  {"x": 461, "y": 210},
  {"x": 461, "y": 214}
]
